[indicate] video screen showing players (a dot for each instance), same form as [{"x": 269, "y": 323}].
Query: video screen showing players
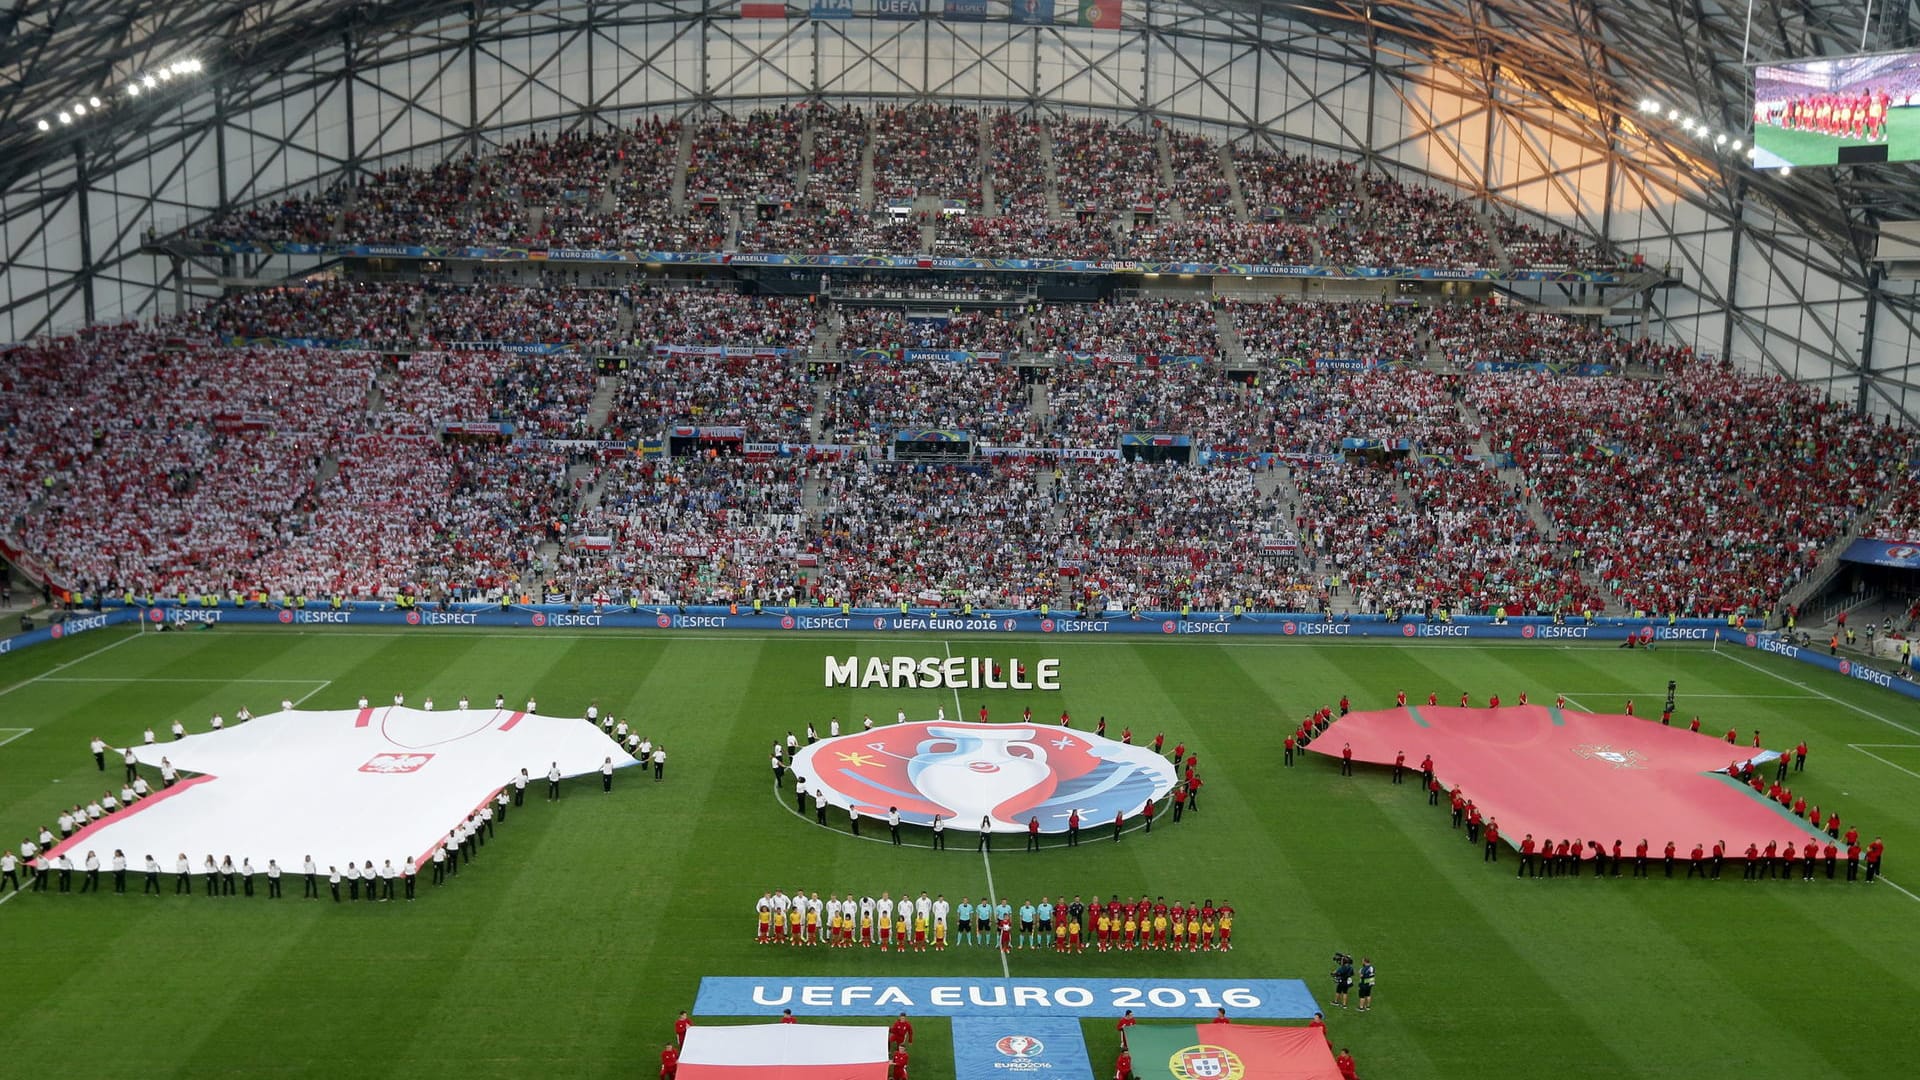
[{"x": 1854, "y": 110}]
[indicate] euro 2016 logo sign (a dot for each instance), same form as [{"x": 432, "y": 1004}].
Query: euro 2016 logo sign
[
  {"x": 1005, "y": 773},
  {"x": 1019, "y": 1046},
  {"x": 1206, "y": 1062}
]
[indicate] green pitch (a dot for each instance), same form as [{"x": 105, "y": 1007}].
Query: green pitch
[
  {"x": 1810, "y": 148},
  {"x": 568, "y": 947}
]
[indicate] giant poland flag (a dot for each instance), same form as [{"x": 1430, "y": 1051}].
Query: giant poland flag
[{"x": 784, "y": 1052}]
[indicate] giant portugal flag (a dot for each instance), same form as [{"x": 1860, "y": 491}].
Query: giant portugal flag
[{"x": 1229, "y": 1052}]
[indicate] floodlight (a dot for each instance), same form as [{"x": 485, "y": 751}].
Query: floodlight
[
  {"x": 1673, "y": 114},
  {"x": 79, "y": 109},
  {"x": 1720, "y": 140},
  {"x": 44, "y": 126},
  {"x": 1736, "y": 146},
  {"x": 133, "y": 89},
  {"x": 1786, "y": 170},
  {"x": 93, "y": 103},
  {"x": 64, "y": 118},
  {"x": 148, "y": 82}
]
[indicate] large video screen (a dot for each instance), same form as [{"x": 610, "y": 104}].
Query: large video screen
[{"x": 1852, "y": 110}]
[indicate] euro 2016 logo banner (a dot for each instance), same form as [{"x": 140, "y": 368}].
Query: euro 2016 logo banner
[{"x": 1005, "y": 773}]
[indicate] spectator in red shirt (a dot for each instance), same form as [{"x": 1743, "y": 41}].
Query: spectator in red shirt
[
  {"x": 1669, "y": 858},
  {"x": 899, "y": 1033},
  {"x": 1126, "y": 1021},
  {"x": 1344, "y": 1062},
  {"x": 786, "y": 1017},
  {"x": 1346, "y": 760},
  {"x": 1146, "y": 815},
  {"x": 1695, "y": 861},
  {"x": 1123, "y": 1065},
  {"x": 680, "y": 1027},
  {"x": 1289, "y": 750},
  {"x": 1220, "y": 1017},
  {"x": 1399, "y": 765},
  {"x": 1832, "y": 855},
  {"x": 900, "y": 1064},
  {"x": 669, "y": 1062},
  {"x": 1492, "y": 853},
  {"x": 1874, "y": 851},
  {"x": 1800, "y": 756},
  {"x": 1319, "y": 1023}
]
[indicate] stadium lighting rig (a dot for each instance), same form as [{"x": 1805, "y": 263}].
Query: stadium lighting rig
[
  {"x": 1653, "y": 110},
  {"x": 137, "y": 86}
]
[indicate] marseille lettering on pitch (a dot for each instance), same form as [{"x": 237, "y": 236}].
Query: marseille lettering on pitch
[{"x": 940, "y": 673}]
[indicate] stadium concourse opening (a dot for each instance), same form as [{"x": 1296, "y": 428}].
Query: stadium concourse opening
[{"x": 1553, "y": 772}]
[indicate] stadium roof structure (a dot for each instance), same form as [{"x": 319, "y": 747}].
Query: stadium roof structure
[{"x": 1564, "y": 79}]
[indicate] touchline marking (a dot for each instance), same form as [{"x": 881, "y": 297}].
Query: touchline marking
[
  {"x": 1740, "y": 697},
  {"x": 302, "y": 699},
  {"x": 1871, "y": 715},
  {"x": 43, "y": 676},
  {"x": 177, "y": 679},
  {"x": 1861, "y": 747},
  {"x": 986, "y": 860}
]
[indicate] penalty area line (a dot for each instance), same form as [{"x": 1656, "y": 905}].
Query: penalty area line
[
  {"x": 1868, "y": 713},
  {"x": 17, "y": 733},
  {"x": 43, "y": 676}
]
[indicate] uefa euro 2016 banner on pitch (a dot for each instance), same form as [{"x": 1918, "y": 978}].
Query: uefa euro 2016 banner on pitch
[
  {"x": 1258, "y": 999},
  {"x": 996, "y": 1047}
]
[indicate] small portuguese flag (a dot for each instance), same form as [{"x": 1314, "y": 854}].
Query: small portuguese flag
[{"x": 1229, "y": 1052}]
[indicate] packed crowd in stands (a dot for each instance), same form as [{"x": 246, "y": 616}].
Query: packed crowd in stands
[
  {"x": 1106, "y": 166},
  {"x": 1470, "y": 334},
  {"x": 1700, "y": 492},
  {"x": 1301, "y": 189},
  {"x": 1705, "y": 492},
  {"x": 750, "y": 157},
  {"x": 1315, "y": 331},
  {"x": 873, "y": 398},
  {"x": 1169, "y": 328},
  {"x": 377, "y": 316},
  {"x": 927, "y": 150},
  {"x": 771, "y": 398},
  {"x": 892, "y": 329},
  {"x": 1899, "y": 519},
  {"x": 715, "y": 317},
  {"x": 583, "y": 318},
  {"x": 615, "y": 188},
  {"x": 1019, "y": 165}
]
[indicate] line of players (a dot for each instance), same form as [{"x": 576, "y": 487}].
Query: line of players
[
  {"x": 803, "y": 919},
  {"x": 1858, "y": 115}
]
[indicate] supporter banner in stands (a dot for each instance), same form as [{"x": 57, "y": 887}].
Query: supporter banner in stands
[
  {"x": 238, "y": 341},
  {"x": 710, "y": 431},
  {"x": 1148, "y": 998},
  {"x": 1345, "y": 363},
  {"x": 1852, "y": 669},
  {"x": 832, "y": 9},
  {"x": 1032, "y": 12},
  {"x": 75, "y": 624},
  {"x": 229, "y": 423},
  {"x": 1543, "y": 368},
  {"x": 1896, "y": 553},
  {"x": 932, "y": 435},
  {"x": 965, "y": 10},
  {"x": 899, "y": 9},
  {"x": 525, "y": 348},
  {"x": 902, "y": 262},
  {"x": 721, "y": 350},
  {"x": 1148, "y": 438},
  {"x": 476, "y": 427},
  {"x": 591, "y": 543},
  {"x": 759, "y": 9}
]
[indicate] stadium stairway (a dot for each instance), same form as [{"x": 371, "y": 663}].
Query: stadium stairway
[
  {"x": 1233, "y": 351},
  {"x": 867, "y": 147},
  {"x": 986, "y": 164},
  {"x": 803, "y": 169},
  {"x": 1052, "y": 173},
  {"x": 1503, "y": 260},
  {"x": 1830, "y": 565},
  {"x": 1163, "y": 156},
  {"x": 682, "y": 156},
  {"x": 604, "y": 393},
  {"x": 1236, "y": 195}
]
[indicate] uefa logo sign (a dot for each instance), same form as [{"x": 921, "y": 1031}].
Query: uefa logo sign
[
  {"x": 786, "y": 622},
  {"x": 156, "y": 615},
  {"x": 1167, "y": 627},
  {"x": 1289, "y": 629},
  {"x": 1846, "y": 667},
  {"x": 1527, "y": 631},
  {"x": 539, "y": 618},
  {"x": 286, "y": 615},
  {"x": 663, "y": 621},
  {"x": 1007, "y": 774},
  {"x": 1046, "y": 626},
  {"x": 413, "y": 618},
  {"x": 1752, "y": 640},
  {"x": 1020, "y": 1046},
  {"x": 1408, "y": 630},
  {"x": 56, "y": 631}
]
